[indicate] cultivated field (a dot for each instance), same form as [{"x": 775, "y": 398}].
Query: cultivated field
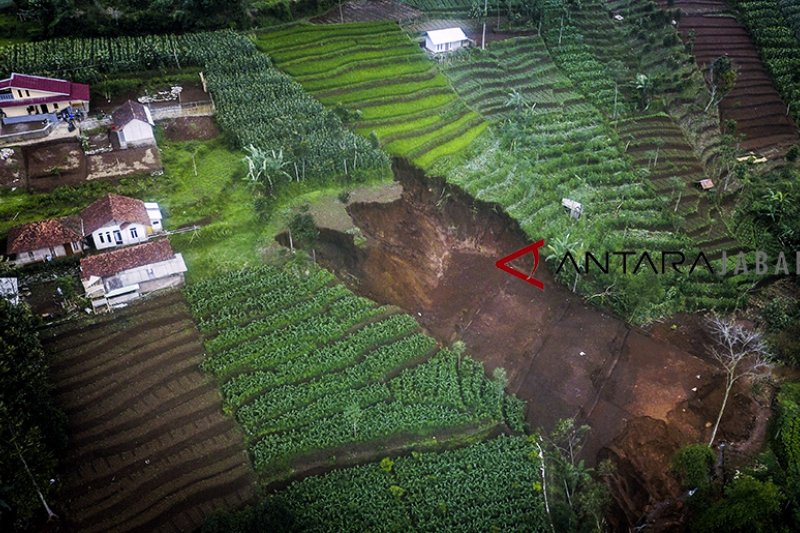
[
  {"x": 150, "y": 449},
  {"x": 313, "y": 372},
  {"x": 754, "y": 103},
  {"x": 560, "y": 145},
  {"x": 376, "y": 70}
]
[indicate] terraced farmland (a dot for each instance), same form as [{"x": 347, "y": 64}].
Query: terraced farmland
[
  {"x": 314, "y": 373},
  {"x": 661, "y": 56},
  {"x": 487, "y": 80},
  {"x": 657, "y": 143},
  {"x": 437, "y": 492},
  {"x": 568, "y": 149},
  {"x": 375, "y": 69},
  {"x": 150, "y": 449},
  {"x": 754, "y": 103}
]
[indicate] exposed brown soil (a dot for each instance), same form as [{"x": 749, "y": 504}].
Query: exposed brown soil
[
  {"x": 366, "y": 11},
  {"x": 433, "y": 253},
  {"x": 754, "y": 103},
  {"x": 120, "y": 163},
  {"x": 54, "y": 163},
  {"x": 149, "y": 447},
  {"x": 188, "y": 128},
  {"x": 12, "y": 169}
]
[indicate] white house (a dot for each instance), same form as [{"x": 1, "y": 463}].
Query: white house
[
  {"x": 447, "y": 40},
  {"x": 132, "y": 124},
  {"x": 116, "y": 220},
  {"x": 44, "y": 240},
  {"x": 25, "y": 98},
  {"x": 112, "y": 279}
]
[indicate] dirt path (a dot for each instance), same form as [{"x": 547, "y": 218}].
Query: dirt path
[
  {"x": 433, "y": 254},
  {"x": 754, "y": 103},
  {"x": 149, "y": 447}
]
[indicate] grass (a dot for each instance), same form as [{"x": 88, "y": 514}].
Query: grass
[{"x": 376, "y": 69}]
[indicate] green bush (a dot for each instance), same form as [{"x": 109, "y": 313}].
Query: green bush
[{"x": 693, "y": 466}]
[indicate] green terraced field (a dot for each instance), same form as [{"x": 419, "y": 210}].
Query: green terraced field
[
  {"x": 557, "y": 142},
  {"x": 311, "y": 370},
  {"x": 377, "y": 70}
]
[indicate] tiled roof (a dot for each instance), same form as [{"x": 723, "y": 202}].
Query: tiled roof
[
  {"x": 113, "y": 207},
  {"x": 128, "y": 111},
  {"x": 43, "y": 234},
  {"x": 110, "y": 263},
  {"x": 61, "y": 88}
]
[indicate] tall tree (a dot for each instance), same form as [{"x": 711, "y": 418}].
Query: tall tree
[{"x": 740, "y": 352}]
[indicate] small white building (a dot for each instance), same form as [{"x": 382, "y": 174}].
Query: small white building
[
  {"x": 116, "y": 220},
  {"x": 447, "y": 40},
  {"x": 44, "y": 240},
  {"x": 155, "y": 216},
  {"x": 111, "y": 279},
  {"x": 132, "y": 124}
]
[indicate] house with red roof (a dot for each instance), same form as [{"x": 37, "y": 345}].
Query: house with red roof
[
  {"x": 114, "y": 278},
  {"x": 44, "y": 240},
  {"x": 25, "y": 98},
  {"x": 116, "y": 220}
]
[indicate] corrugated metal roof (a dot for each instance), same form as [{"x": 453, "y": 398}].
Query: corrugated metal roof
[{"x": 448, "y": 35}]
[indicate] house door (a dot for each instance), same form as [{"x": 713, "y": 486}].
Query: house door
[
  {"x": 44, "y": 108},
  {"x": 117, "y": 236}
]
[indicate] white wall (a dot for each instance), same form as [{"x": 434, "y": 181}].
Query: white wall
[
  {"x": 21, "y": 111},
  {"x": 41, "y": 254},
  {"x": 138, "y": 132},
  {"x": 442, "y": 48},
  {"x": 106, "y": 238}
]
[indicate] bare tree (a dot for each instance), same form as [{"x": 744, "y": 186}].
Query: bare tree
[{"x": 741, "y": 353}]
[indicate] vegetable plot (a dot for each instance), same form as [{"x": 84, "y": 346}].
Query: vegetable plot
[
  {"x": 444, "y": 491},
  {"x": 256, "y": 103},
  {"x": 309, "y": 369},
  {"x": 373, "y": 74}
]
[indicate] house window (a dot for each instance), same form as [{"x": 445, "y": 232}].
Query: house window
[
  {"x": 19, "y": 92},
  {"x": 108, "y": 237},
  {"x": 134, "y": 233},
  {"x": 31, "y": 255},
  {"x": 31, "y": 110},
  {"x": 76, "y": 247},
  {"x": 55, "y": 106},
  {"x": 27, "y": 92},
  {"x": 102, "y": 240},
  {"x": 118, "y": 236}
]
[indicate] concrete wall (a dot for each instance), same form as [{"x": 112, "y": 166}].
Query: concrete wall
[
  {"x": 441, "y": 48},
  {"x": 41, "y": 254},
  {"x": 137, "y": 132},
  {"x": 109, "y": 239}
]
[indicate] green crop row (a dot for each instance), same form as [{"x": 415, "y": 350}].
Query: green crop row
[
  {"x": 778, "y": 45},
  {"x": 309, "y": 366},
  {"x": 489, "y": 486},
  {"x": 394, "y": 93}
]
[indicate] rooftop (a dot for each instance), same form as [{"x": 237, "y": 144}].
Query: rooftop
[
  {"x": 43, "y": 234},
  {"x": 448, "y": 35},
  {"x": 110, "y": 263},
  {"x": 113, "y": 207}
]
